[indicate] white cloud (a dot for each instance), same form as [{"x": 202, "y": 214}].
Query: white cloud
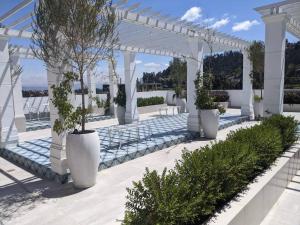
[
  {"x": 138, "y": 61},
  {"x": 209, "y": 20},
  {"x": 192, "y": 14},
  {"x": 220, "y": 23},
  {"x": 245, "y": 25},
  {"x": 152, "y": 65}
]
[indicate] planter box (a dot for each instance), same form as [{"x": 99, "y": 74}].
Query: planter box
[
  {"x": 252, "y": 206},
  {"x": 291, "y": 108},
  {"x": 150, "y": 108}
]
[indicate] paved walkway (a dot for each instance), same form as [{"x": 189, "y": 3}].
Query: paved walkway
[{"x": 286, "y": 211}]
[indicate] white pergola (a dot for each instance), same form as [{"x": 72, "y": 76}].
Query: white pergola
[
  {"x": 140, "y": 31},
  {"x": 279, "y": 18}
]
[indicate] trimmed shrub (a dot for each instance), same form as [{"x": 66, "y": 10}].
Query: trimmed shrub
[
  {"x": 204, "y": 180},
  {"x": 291, "y": 97},
  {"x": 141, "y": 102},
  {"x": 287, "y": 126},
  {"x": 220, "y": 96}
]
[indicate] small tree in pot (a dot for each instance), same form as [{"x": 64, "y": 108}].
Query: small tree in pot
[
  {"x": 256, "y": 54},
  {"x": 120, "y": 100},
  {"x": 209, "y": 109},
  {"x": 179, "y": 72},
  {"x": 71, "y": 36}
]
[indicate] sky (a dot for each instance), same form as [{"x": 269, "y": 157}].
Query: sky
[{"x": 234, "y": 17}]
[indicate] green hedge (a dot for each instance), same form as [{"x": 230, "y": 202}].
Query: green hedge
[
  {"x": 150, "y": 101},
  {"x": 204, "y": 180}
]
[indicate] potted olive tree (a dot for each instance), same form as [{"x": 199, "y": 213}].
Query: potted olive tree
[
  {"x": 209, "y": 110},
  {"x": 120, "y": 100},
  {"x": 70, "y": 37},
  {"x": 256, "y": 54},
  {"x": 178, "y": 71}
]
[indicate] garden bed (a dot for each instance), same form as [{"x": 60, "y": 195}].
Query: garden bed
[
  {"x": 252, "y": 207},
  {"x": 204, "y": 182}
]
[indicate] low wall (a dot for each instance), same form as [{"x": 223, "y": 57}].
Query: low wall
[
  {"x": 252, "y": 206},
  {"x": 291, "y": 108}
]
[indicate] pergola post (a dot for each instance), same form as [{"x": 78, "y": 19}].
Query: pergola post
[
  {"x": 20, "y": 120},
  {"x": 91, "y": 82},
  {"x": 194, "y": 65},
  {"x": 275, "y": 44},
  {"x": 8, "y": 131},
  {"x": 57, "y": 148},
  {"x": 113, "y": 87},
  {"x": 247, "y": 96},
  {"x": 131, "y": 114}
]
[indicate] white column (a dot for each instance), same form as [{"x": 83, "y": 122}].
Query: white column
[
  {"x": 113, "y": 87},
  {"x": 8, "y": 131},
  {"x": 274, "y": 63},
  {"x": 131, "y": 114},
  {"x": 194, "y": 65},
  {"x": 57, "y": 148},
  {"x": 247, "y": 95},
  {"x": 20, "y": 120},
  {"x": 91, "y": 81}
]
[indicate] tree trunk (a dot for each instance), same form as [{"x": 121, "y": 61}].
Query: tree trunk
[{"x": 82, "y": 105}]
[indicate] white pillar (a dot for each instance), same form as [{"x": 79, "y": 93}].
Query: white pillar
[
  {"x": 247, "y": 95},
  {"x": 57, "y": 148},
  {"x": 8, "y": 131},
  {"x": 194, "y": 65},
  {"x": 113, "y": 87},
  {"x": 91, "y": 81},
  {"x": 274, "y": 63},
  {"x": 20, "y": 120},
  {"x": 131, "y": 114}
]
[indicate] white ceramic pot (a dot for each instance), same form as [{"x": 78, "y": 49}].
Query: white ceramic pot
[
  {"x": 83, "y": 157},
  {"x": 182, "y": 103},
  {"x": 121, "y": 114},
  {"x": 210, "y": 122},
  {"x": 224, "y": 104},
  {"x": 258, "y": 109}
]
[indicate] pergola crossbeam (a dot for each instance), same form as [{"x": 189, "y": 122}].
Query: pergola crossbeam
[{"x": 15, "y": 9}]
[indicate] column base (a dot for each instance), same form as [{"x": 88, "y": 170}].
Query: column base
[
  {"x": 247, "y": 111},
  {"x": 8, "y": 137},
  {"x": 58, "y": 165},
  {"x": 131, "y": 118},
  {"x": 20, "y": 123},
  {"x": 194, "y": 123}
]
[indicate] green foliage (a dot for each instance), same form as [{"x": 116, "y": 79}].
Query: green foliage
[
  {"x": 204, "y": 180},
  {"x": 220, "y": 96},
  {"x": 69, "y": 116},
  {"x": 150, "y": 101},
  {"x": 291, "y": 97},
  {"x": 74, "y": 34},
  {"x": 287, "y": 126},
  {"x": 257, "y": 98},
  {"x": 120, "y": 100},
  {"x": 204, "y": 98}
]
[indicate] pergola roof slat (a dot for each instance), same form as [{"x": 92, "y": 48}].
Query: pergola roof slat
[{"x": 15, "y": 9}]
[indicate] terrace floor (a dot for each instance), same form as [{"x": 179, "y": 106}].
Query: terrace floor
[
  {"x": 26, "y": 199},
  {"x": 154, "y": 134}
]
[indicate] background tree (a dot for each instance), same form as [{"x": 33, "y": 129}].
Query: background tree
[
  {"x": 73, "y": 34},
  {"x": 178, "y": 70}
]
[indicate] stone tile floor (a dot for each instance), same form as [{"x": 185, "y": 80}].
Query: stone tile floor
[
  {"x": 166, "y": 131},
  {"x": 45, "y": 123}
]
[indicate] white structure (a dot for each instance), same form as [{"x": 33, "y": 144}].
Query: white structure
[
  {"x": 142, "y": 31},
  {"x": 279, "y": 18}
]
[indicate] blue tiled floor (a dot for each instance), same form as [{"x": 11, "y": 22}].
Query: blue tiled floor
[
  {"x": 166, "y": 131},
  {"x": 44, "y": 124}
]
